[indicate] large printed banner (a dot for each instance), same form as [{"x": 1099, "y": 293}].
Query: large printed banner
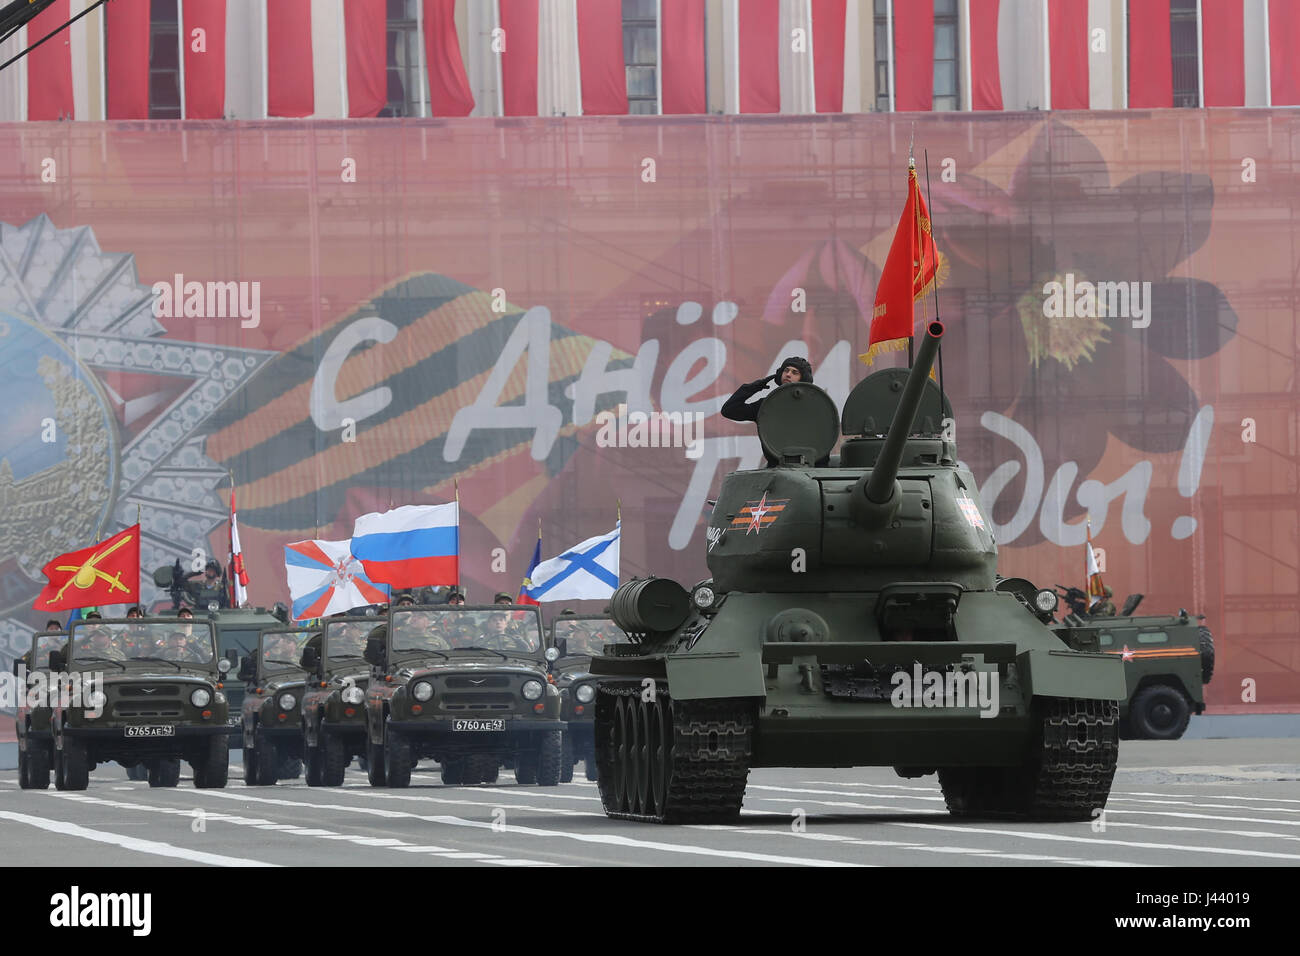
[{"x": 347, "y": 317}]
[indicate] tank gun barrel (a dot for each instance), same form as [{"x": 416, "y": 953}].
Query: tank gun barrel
[{"x": 880, "y": 487}]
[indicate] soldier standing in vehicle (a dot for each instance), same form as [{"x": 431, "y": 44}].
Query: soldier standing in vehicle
[
  {"x": 739, "y": 408},
  {"x": 1105, "y": 607}
]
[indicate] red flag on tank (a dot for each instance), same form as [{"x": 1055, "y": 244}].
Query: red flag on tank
[{"x": 910, "y": 267}]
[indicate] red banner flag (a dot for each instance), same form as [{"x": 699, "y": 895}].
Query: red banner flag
[
  {"x": 104, "y": 573},
  {"x": 910, "y": 267}
]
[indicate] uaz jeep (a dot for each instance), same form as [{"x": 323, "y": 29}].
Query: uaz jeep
[
  {"x": 333, "y": 718},
  {"x": 32, "y": 723},
  {"x": 272, "y": 731}
]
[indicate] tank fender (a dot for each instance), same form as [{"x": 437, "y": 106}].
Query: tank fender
[
  {"x": 721, "y": 674},
  {"x": 1053, "y": 673}
]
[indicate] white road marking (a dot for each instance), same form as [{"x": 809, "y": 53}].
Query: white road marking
[{"x": 130, "y": 843}]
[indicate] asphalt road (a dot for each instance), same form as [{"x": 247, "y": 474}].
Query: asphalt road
[{"x": 1202, "y": 803}]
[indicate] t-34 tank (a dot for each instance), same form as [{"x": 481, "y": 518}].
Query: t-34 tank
[{"x": 852, "y": 620}]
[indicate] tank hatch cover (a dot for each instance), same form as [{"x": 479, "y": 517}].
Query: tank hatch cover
[
  {"x": 870, "y": 406},
  {"x": 797, "y": 421}
]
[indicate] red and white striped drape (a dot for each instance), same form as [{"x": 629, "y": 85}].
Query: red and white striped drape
[
  {"x": 1150, "y": 59},
  {"x": 519, "y": 59},
  {"x": 290, "y": 87},
  {"x": 1223, "y": 67},
  {"x": 600, "y": 56},
  {"x": 1067, "y": 32},
  {"x": 127, "y": 54},
  {"x": 985, "y": 76},
  {"x": 913, "y": 55},
  {"x": 760, "y": 68},
  {"x": 681, "y": 56},
  {"x": 365, "y": 26},
  {"x": 1283, "y": 42},
  {"x": 203, "y": 38},
  {"x": 449, "y": 92},
  {"x": 828, "y": 55},
  {"x": 49, "y": 66}
]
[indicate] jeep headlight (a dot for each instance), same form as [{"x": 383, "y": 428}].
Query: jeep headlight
[
  {"x": 585, "y": 693},
  {"x": 95, "y": 700},
  {"x": 353, "y": 695},
  {"x": 221, "y": 698},
  {"x": 532, "y": 689},
  {"x": 421, "y": 690},
  {"x": 201, "y": 697},
  {"x": 287, "y": 702}
]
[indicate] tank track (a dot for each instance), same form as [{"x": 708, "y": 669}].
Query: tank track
[
  {"x": 1067, "y": 774},
  {"x": 667, "y": 761}
]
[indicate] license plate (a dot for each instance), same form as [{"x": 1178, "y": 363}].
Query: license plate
[
  {"x": 152, "y": 730},
  {"x": 233, "y": 720},
  {"x": 497, "y": 724}
]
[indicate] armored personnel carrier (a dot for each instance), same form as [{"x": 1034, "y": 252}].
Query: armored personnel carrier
[{"x": 851, "y": 620}]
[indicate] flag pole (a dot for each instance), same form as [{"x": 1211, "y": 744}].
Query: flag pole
[
  {"x": 916, "y": 228},
  {"x": 456, "y": 485},
  {"x": 139, "y": 569},
  {"x": 230, "y": 534},
  {"x": 929, "y": 202}
]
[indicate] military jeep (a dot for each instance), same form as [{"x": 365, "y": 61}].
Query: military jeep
[
  {"x": 32, "y": 723},
  {"x": 161, "y": 701},
  {"x": 577, "y": 638},
  {"x": 465, "y": 685},
  {"x": 333, "y": 715},
  {"x": 273, "y": 689}
]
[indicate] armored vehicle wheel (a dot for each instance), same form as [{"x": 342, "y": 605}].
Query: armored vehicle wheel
[
  {"x": 550, "y": 758},
  {"x": 71, "y": 766},
  {"x": 264, "y": 760},
  {"x": 288, "y": 768},
  {"x": 137, "y": 771},
  {"x": 526, "y": 769},
  {"x": 1207, "y": 654},
  {"x": 397, "y": 758},
  {"x": 666, "y": 761},
  {"x": 333, "y": 760},
  {"x": 453, "y": 772},
  {"x": 311, "y": 761},
  {"x": 375, "y": 765},
  {"x": 567, "y": 761},
  {"x": 1159, "y": 712},
  {"x": 165, "y": 773},
  {"x": 212, "y": 769},
  {"x": 1066, "y": 775}
]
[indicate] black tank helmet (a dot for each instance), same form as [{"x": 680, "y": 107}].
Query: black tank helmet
[{"x": 800, "y": 363}]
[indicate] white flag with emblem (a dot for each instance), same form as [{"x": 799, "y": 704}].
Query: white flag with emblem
[{"x": 587, "y": 571}]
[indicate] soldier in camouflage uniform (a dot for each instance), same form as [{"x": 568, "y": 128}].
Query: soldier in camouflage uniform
[{"x": 1105, "y": 607}]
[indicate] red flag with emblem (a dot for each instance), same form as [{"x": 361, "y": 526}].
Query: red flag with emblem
[{"x": 104, "y": 573}]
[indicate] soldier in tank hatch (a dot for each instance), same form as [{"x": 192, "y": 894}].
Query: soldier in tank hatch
[{"x": 738, "y": 408}]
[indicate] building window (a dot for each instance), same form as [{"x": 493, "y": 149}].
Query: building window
[
  {"x": 945, "y": 55},
  {"x": 641, "y": 56},
  {"x": 406, "y": 89},
  {"x": 1182, "y": 37},
  {"x": 164, "y": 61},
  {"x": 946, "y": 92}
]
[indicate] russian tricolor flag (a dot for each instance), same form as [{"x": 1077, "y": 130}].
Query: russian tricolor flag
[{"x": 408, "y": 547}]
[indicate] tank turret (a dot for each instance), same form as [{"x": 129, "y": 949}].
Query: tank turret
[{"x": 895, "y": 506}]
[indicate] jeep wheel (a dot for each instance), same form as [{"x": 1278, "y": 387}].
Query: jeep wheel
[
  {"x": 250, "y": 766},
  {"x": 165, "y": 772},
  {"x": 568, "y": 761},
  {"x": 589, "y": 764},
  {"x": 453, "y": 772},
  {"x": 481, "y": 768},
  {"x": 71, "y": 766},
  {"x": 492, "y": 771},
  {"x": 397, "y": 758},
  {"x": 212, "y": 770},
  {"x": 289, "y": 768},
  {"x": 1159, "y": 712},
  {"x": 137, "y": 771},
  {"x": 264, "y": 760},
  {"x": 311, "y": 761},
  {"x": 550, "y": 758},
  {"x": 333, "y": 760},
  {"x": 23, "y": 782},
  {"x": 375, "y": 764},
  {"x": 526, "y": 768}
]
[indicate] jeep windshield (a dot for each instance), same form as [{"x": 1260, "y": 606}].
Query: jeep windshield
[
  {"x": 586, "y": 638},
  {"x": 281, "y": 650},
  {"x": 181, "y": 642},
  {"x": 41, "y": 652},
  {"x": 450, "y": 628},
  {"x": 346, "y": 639}
]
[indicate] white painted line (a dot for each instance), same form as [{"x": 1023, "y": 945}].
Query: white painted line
[{"x": 130, "y": 843}]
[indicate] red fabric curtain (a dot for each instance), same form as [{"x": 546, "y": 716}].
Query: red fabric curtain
[
  {"x": 1223, "y": 47},
  {"x": 449, "y": 92},
  {"x": 760, "y": 67},
  {"x": 519, "y": 60},
  {"x": 600, "y": 58},
  {"x": 828, "y": 54},
  {"x": 1283, "y": 41},
  {"x": 127, "y": 53},
  {"x": 205, "y": 58},
  {"x": 985, "y": 77},
  {"x": 1150, "y": 60},
  {"x": 365, "y": 25},
  {"x": 290, "y": 89},
  {"x": 49, "y": 66},
  {"x": 914, "y": 55},
  {"x": 681, "y": 55},
  {"x": 1068, "y": 43}
]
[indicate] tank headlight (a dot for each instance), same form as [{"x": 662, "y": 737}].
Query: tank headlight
[
  {"x": 703, "y": 597},
  {"x": 421, "y": 691},
  {"x": 531, "y": 690},
  {"x": 1045, "y": 600},
  {"x": 354, "y": 695},
  {"x": 201, "y": 697},
  {"x": 287, "y": 702},
  {"x": 585, "y": 693}
]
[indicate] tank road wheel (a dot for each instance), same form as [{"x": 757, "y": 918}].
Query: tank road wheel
[
  {"x": 397, "y": 758},
  {"x": 212, "y": 769},
  {"x": 692, "y": 756},
  {"x": 72, "y": 766},
  {"x": 333, "y": 759},
  {"x": 550, "y": 755},
  {"x": 165, "y": 772},
  {"x": 1159, "y": 712},
  {"x": 526, "y": 768},
  {"x": 1207, "y": 654},
  {"x": 375, "y": 764},
  {"x": 1067, "y": 773},
  {"x": 567, "y": 760}
]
